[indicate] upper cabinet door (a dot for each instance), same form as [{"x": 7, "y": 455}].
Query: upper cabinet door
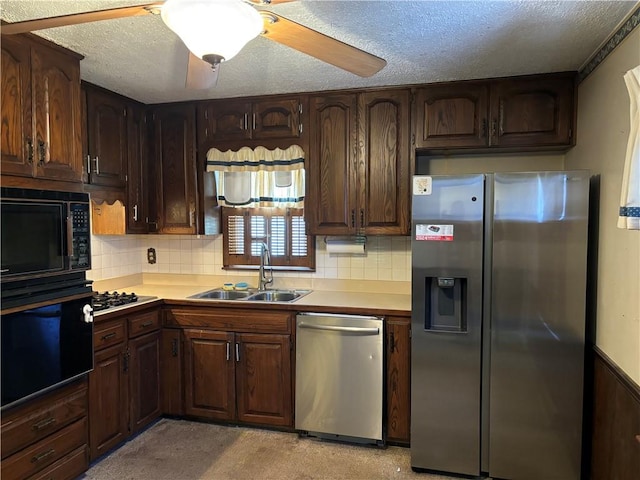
[
  {"x": 175, "y": 168},
  {"x": 17, "y": 138},
  {"x": 331, "y": 202},
  {"x": 224, "y": 120},
  {"x": 107, "y": 139},
  {"x": 452, "y": 115},
  {"x": 137, "y": 171},
  {"x": 384, "y": 126},
  {"x": 536, "y": 110},
  {"x": 55, "y": 79},
  {"x": 276, "y": 119}
]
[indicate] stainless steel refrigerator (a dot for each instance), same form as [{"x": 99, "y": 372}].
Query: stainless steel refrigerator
[{"x": 498, "y": 323}]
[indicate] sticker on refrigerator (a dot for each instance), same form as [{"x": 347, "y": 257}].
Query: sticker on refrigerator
[
  {"x": 422, "y": 185},
  {"x": 437, "y": 233}
]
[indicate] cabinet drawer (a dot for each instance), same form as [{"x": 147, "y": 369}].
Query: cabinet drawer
[
  {"x": 109, "y": 334},
  {"x": 144, "y": 323},
  {"x": 46, "y": 452},
  {"x": 66, "y": 468},
  {"x": 33, "y": 426}
]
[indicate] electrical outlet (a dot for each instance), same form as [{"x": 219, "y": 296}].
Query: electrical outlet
[{"x": 151, "y": 255}]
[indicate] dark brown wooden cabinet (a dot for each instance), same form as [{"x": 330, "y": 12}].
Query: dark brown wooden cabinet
[
  {"x": 107, "y": 138},
  {"x": 452, "y": 115},
  {"x": 359, "y": 164},
  {"x": 124, "y": 386},
  {"x": 237, "y": 364},
  {"x": 138, "y": 184},
  {"x": 47, "y": 437},
  {"x": 238, "y": 376},
  {"x": 258, "y": 119},
  {"x": 40, "y": 110},
  {"x": 533, "y": 112},
  {"x": 171, "y": 372},
  {"x": 174, "y": 170},
  {"x": 398, "y": 378}
]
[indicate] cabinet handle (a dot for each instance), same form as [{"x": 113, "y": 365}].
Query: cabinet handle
[
  {"x": 125, "y": 363},
  {"x": 146, "y": 324},
  {"x": 353, "y": 218},
  {"x": 43, "y": 424},
  {"x": 97, "y": 160},
  {"x": 135, "y": 212},
  {"x": 29, "y": 150},
  {"x": 254, "y": 121},
  {"x": 43, "y": 455},
  {"x": 493, "y": 128},
  {"x": 42, "y": 151},
  {"x": 108, "y": 336},
  {"x": 246, "y": 121},
  {"x": 237, "y": 352},
  {"x": 484, "y": 128},
  {"x": 88, "y": 163},
  {"x": 228, "y": 351},
  {"x": 174, "y": 347},
  {"x": 501, "y": 119}
]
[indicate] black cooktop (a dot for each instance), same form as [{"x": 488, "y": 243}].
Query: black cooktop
[{"x": 106, "y": 300}]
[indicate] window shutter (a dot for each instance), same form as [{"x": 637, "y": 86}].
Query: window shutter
[
  {"x": 278, "y": 236},
  {"x": 235, "y": 234},
  {"x": 298, "y": 236}
]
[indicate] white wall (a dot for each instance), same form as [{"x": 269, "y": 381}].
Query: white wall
[{"x": 603, "y": 130}]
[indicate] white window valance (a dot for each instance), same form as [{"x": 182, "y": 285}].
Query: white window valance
[
  {"x": 258, "y": 177},
  {"x": 629, "y": 213}
]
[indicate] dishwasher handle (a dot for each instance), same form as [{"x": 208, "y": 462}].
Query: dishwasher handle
[{"x": 333, "y": 328}]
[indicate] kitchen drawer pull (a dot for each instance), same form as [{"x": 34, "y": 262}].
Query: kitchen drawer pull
[
  {"x": 146, "y": 324},
  {"x": 108, "y": 336},
  {"x": 43, "y": 424},
  {"x": 333, "y": 328},
  {"x": 43, "y": 455}
]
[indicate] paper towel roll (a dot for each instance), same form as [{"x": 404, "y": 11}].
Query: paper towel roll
[{"x": 351, "y": 247}]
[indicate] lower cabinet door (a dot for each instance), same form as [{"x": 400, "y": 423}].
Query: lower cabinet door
[
  {"x": 209, "y": 358},
  {"x": 172, "y": 384},
  {"x": 144, "y": 379},
  {"x": 108, "y": 399},
  {"x": 398, "y": 350},
  {"x": 263, "y": 379}
]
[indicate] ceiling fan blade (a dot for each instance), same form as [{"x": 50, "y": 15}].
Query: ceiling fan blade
[
  {"x": 320, "y": 46},
  {"x": 200, "y": 74},
  {"x": 267, "y": 3},
  {"x": 77, "y": 18}
]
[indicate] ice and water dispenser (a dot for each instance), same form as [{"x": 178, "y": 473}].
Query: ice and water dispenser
[{"x": 445, "y": 304}]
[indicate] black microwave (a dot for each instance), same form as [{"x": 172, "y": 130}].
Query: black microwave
[{"x": 44, "y": 233}]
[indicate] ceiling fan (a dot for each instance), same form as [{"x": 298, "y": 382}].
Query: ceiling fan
[{"x": 235, "y": 22}]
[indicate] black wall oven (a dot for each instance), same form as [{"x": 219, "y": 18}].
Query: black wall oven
[{"x": 44, "y": 346}]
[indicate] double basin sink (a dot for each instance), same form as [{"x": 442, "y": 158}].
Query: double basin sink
[{"x": 252, "y": 295}]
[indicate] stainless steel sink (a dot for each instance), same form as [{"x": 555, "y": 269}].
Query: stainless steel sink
[
  {"x": 252, "y": 295},
  {"x": 274, "y": 296},
  {"x": 219, "y": 294}
]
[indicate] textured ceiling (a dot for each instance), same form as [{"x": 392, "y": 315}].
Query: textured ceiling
[{"x": 422, "y": 41}]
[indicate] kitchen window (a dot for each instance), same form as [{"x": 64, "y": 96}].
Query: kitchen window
[
  {"x": 262, "y": 197},
  {"x": 281, "y": 229}
]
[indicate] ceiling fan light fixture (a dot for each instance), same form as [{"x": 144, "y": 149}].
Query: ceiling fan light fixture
[{"x": 213, "y": 27}]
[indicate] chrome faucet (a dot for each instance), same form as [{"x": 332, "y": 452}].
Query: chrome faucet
[{"x": 265, "y": 262}]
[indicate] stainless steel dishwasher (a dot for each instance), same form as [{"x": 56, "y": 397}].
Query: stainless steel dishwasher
[{"x": 339, "y": 374}]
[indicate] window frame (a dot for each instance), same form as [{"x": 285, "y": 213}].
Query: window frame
[{"x": 246, "y": 260}]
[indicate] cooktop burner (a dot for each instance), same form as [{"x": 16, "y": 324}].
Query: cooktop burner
[{"x": 105, "y": 300}]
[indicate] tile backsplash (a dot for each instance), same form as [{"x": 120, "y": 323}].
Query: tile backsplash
[{"x": 385, "y": 258}]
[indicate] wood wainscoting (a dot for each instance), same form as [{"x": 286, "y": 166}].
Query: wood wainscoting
[{"x": 615, "y": 444}]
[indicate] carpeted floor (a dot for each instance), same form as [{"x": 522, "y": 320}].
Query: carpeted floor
[{"x": 183, "y": 450}]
